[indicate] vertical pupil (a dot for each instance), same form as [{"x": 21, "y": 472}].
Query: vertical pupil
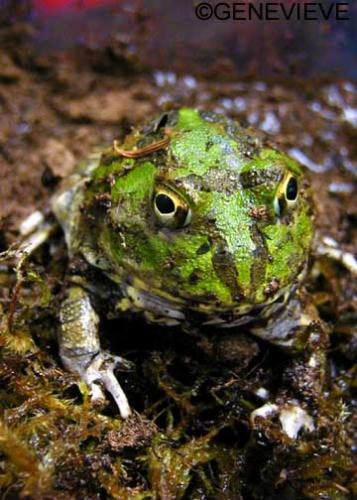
[
  {"x": 291, "y": 189},
  {"x": 164, "y": 204}
]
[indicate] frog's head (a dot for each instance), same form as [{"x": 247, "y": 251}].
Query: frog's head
[{"x": 214, "y": 218}]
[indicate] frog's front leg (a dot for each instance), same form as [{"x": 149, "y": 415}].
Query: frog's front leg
[
  {"x": 80, "y": 349},
  {"x": 299, "y": 330}
]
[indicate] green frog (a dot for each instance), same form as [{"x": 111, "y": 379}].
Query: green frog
[{"x": 192, "y": 221}]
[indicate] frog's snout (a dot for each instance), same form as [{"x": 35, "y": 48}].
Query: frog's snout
[{"x": 224, "y": 265}]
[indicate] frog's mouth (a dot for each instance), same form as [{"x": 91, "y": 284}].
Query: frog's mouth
[{"x": 162, "y": 307}]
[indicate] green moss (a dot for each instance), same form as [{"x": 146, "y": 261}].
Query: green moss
[{"x": 170, "y": 468}]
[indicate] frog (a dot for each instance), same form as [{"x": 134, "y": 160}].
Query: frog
[{"x": 192, "y": 221}]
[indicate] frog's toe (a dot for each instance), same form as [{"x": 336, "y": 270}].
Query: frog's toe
[
  {"x": 101, "y": 371},
  {"x": 112, "y": 385},
  {"x": 97, "y": 394}
]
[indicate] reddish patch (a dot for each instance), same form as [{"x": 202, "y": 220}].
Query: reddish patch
[{"x": 51, "y": 7}]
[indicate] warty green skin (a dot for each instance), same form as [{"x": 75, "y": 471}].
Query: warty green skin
[{"x": 222, "y": 264}]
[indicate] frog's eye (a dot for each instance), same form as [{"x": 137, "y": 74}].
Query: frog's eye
[
  {"x": 291, "y": 189},
  {"x": 286, "y": 195},
  {"x": 170, "y": 209}
]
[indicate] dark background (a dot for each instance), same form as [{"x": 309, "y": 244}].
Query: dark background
[{"x": 167, "y": 35}]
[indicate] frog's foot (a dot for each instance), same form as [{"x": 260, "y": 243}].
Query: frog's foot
[
  {"x": 100, "y": 371},
  {"x": 80, "y": 349}
]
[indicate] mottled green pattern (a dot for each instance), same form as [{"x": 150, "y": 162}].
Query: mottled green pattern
[{"x": 227, "y": 255}]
